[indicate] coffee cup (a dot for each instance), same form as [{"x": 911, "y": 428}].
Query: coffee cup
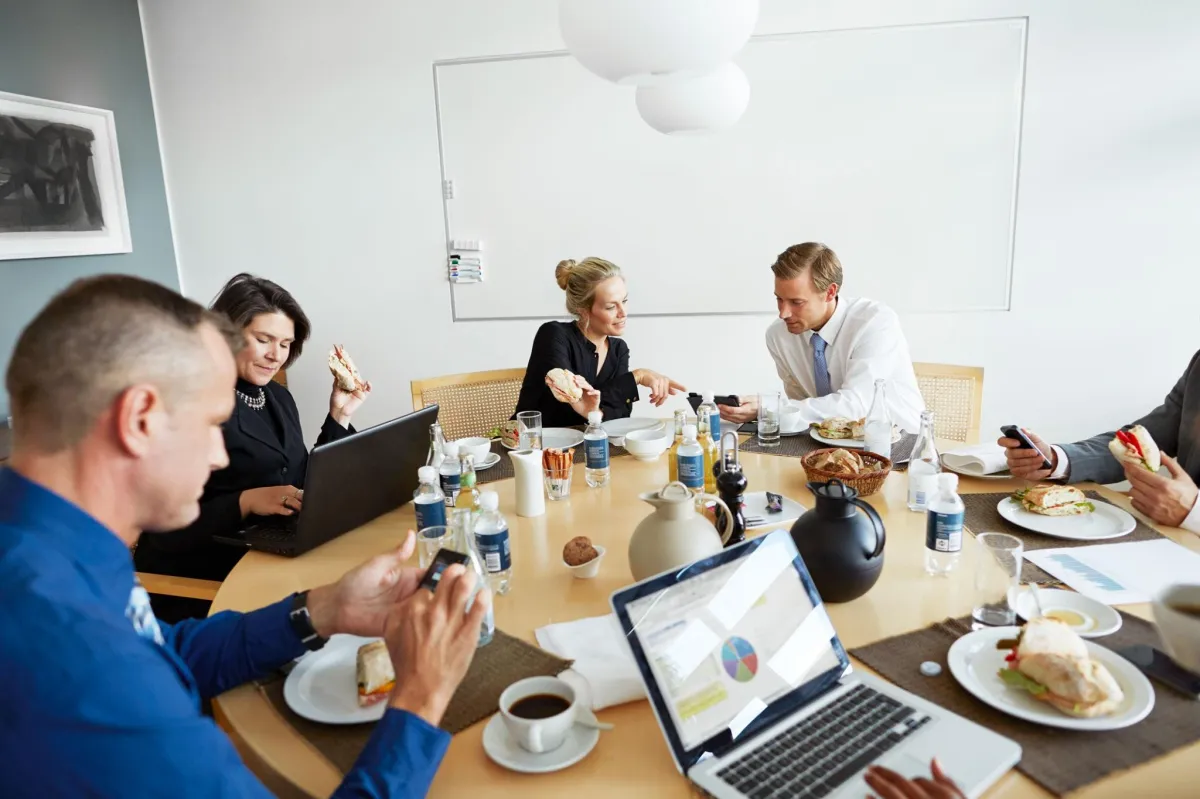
[
  {"x": 789, "y": 418},
  {"x": 1177, "y": 615},
  {"x": 538, "y": 712}
]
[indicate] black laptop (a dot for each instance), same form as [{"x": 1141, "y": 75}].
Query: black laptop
[{"x": 349, "y": 482}]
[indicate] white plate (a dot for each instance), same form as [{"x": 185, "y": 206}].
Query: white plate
[
  {"x": 560, "y": 438},
  {"x": 754, "y": 504},
  {"x": 1107, "y": 521},
  {"x": 975, "y": 662},
  {"x": 617, "y": 429},
  {"x": 506, "y": 752},
  {"x": 836, "y": 442},
  {"x": 1004, "y": 475},
  {"x": 324, "y": 685},
  {"x": 491, "y": 460},
  {"x": 1098, "y": 619}
]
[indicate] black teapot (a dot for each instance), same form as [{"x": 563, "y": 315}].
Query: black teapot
[{"x": 842, "y": 548}]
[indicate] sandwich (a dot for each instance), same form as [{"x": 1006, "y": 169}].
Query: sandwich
[
  {"x": 564, "y": 385},
  {"x": 347, "y": 376},
  {"x": 1054, "y": 500},
  {"x": 858, "y": 430},
  {"x": 1135, "y": 444},
  {"x": 375, "y": 675},
  {"x": 1051, "y": 662},
  {"x": 836, "y": 427}
]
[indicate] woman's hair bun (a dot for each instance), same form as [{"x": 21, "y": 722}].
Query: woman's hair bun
[{"x": 562, "y": 273}]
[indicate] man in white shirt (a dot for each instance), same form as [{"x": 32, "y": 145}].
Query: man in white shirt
[{"x": 829, "y": 349}]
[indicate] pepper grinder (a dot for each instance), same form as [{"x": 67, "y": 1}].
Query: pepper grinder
[{"x": 731, "y": 486}]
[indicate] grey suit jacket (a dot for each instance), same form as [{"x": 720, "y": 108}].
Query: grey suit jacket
[{"x": 1175, "y": 426}]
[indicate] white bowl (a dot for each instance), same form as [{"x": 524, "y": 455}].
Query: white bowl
[
  {"x": 1180, "y": 631},
  {"x": 478, "y": 447},
  {"x": 586, "y": 571},
  {"x": 647, "y": 445}
]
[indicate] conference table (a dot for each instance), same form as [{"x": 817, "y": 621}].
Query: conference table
[{"x": 633, "y": 759}]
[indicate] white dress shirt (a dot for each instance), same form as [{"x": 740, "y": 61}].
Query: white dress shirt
[
  {"x": 1191, "y": 522},
  {"x": 863, "y": 341}
]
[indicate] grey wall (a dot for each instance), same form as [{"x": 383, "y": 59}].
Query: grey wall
[{"x": 88, "y": 52}]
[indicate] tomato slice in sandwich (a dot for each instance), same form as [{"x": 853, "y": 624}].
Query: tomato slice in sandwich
[{"x": 1129, "y": 440}]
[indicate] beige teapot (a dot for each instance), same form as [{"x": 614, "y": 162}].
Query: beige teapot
[{"x": 675, "y": 534}]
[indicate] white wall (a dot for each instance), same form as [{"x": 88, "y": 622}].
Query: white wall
[{"x": 300, "y": 143}]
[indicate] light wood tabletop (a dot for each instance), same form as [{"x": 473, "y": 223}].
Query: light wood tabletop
[{"x": 632, "y": 760}]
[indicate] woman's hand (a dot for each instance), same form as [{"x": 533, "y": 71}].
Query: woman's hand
[
  {"x": 271, "y": 501},
  {"x": 343, "y": 404},
  {"x": 661, "y": 387},
  {"x": 590, "y": 401}
]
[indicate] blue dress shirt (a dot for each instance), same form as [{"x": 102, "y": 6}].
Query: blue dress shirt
[{"x": 88, "y": 707}]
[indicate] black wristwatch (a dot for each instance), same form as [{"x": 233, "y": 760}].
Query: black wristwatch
[{"x": 302, "y": 623}]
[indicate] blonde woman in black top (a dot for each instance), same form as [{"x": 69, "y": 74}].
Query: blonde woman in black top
[{"x": 591, "y": 347}]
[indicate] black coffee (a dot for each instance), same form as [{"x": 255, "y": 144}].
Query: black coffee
[{"x": 539, "y": 706}]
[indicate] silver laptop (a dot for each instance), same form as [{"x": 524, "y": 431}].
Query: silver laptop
[{"x": 755, "y": 693}]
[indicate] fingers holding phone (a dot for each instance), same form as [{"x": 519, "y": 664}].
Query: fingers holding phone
[{"x": 1028, "y": 456}]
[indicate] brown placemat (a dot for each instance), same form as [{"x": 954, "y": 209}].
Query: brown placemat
[
  {"x": 504, "y": 469},
  {"x": 982, "y": 517},
  {"x": 1059, "y": 760},
  {"x": 495, "y": 667},
  {"x": 801, "y": 444}
]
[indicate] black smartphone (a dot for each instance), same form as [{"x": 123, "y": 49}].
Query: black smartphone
[
  {"x": 444, "y": 559},
  {"x": 1158, "y": 666},
  {"x": 728, "y": 400},
  {"x": 1012, "y": 431}
]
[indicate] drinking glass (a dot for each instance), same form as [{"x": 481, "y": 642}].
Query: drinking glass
[
  {"x": 558, "y": 482},
  {"x": 432, "y": 539},
  {"x": 769, "y": 406},
  {"x": 997, "y": 575},
  {"x": 531, "y": 429}
]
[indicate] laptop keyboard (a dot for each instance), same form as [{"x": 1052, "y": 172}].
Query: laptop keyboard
[
  {"x": 821, "y": 752},
  {"x": 276, "y": 535}
]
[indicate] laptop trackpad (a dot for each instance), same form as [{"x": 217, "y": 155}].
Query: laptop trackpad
[{"x": 901, "y": 763}]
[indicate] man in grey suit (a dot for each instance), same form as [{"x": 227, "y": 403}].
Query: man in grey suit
[{"x": 1169, "y": 496}]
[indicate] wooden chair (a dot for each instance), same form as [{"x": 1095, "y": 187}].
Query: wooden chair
[
  {"x": 281, "y": 378},
  {"x": 470, "y": 404},
  {"x": 955, "y": 395}
]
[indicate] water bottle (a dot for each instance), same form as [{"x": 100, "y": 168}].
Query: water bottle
[
  {"x": 428, "y": 500},
  {"x": 690, "y": 457},
  {"x": 673, "y": 453},
  {"x": 595, "y": 447},
  {"x": 450, "y": 473},
  {"x": 877, "y": 429},
  {"x": 708, "y": 407},
  {"x": 464, "y": 541},
  {"x": 924, "y": 467},
  {"x": 944, "y": 527},
  {"x": 491, "y": 536},
  {"x": 437, "y": 444}
]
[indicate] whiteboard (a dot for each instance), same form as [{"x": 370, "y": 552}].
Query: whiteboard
[{"x": 898, "y": 147}]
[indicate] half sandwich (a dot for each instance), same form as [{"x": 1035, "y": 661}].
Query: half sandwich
[
  {"x": 376, "y": 678},
  {"x": 1052, "y": 663},
  {"x": 1054, "y": 500}
]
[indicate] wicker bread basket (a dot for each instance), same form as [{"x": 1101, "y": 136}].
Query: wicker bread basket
[{"x": 865, "y": 485}]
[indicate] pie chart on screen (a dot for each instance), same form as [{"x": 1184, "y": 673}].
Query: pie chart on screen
[{"x": 739, "y": 659}]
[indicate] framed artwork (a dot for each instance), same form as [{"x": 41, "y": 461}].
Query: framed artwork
[{"x": 61, "y": 191}]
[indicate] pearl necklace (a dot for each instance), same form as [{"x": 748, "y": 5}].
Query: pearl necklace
[{"x": 254, "y": 403}]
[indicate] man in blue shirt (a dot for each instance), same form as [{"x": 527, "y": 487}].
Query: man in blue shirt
[{"x": 118, "y": 389}]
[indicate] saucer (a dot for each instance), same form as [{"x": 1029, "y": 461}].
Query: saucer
[
  {"x": 504, "y": 751},
  {"x": 491, "y": 460}
]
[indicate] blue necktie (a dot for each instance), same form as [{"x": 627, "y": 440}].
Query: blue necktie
[{"x": 820, "y": 368}]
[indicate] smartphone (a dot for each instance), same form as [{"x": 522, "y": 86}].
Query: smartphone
[
  {"x": 1158, "y": 666},
  {"x": 1012, "y": 431},
  {"x": 444, "y": 559},
  {"x": 728, "y": 400}
]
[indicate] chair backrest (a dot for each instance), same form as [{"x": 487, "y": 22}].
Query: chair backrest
[
  {"x": 470, "y": 404},
  {"x": 281, "y": 378},
  {"x": 955, "y": 395}
]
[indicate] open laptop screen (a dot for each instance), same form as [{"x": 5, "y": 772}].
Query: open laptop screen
[{"x": 730, "y": 643}]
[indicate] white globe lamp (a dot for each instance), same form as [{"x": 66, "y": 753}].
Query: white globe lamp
[{"x": 709, "y": 103}]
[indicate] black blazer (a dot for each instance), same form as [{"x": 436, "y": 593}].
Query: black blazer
[
  {"x": 258, "y": 457},
  {"x": 562, "y": 345}
]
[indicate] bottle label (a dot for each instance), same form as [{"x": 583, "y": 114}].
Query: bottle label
[
  {"x": 430, "y": 514},
  {"x": 943, "y": 531},
  {"x": 714, "y": 427},
  {"x": 597, "y": 453},
  {"x": 691, "y": 471},
  {"x": 921, "y": 488},
  {"x": 494, "y": 548},
  {"x": 451, "y": 483}
]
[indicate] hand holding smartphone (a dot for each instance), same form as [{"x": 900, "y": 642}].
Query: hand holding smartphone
[
  {"x": 444, "y": 559},
  {"x": 1014, "y": 432}
]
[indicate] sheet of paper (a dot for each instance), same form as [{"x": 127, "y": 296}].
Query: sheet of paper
[
  {"x": 1120, "y": 574},
  {"x": 980, "y": 459}
]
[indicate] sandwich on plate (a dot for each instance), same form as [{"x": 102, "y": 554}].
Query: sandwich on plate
[
  {"x": 375, "y": 675},
  {"x": 1051, "y": 662},
  {"x": 1135, "y": 444},
  {"x": 1054, "y": 500},
  {"x": 858, "y": 430},
  {"x": 347, "y": 376},
  {"x": 836, "y": 427},
  {"x": 564, "y": 385}
]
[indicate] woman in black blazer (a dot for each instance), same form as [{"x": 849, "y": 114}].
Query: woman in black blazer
[
  {"x": 267, "y": 453},
  {"x": 591, "y": 347}
]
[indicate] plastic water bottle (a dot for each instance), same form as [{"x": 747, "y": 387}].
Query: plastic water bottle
[
  {"x": 944, "y": 527},
  {"x": 708, "y": 407},
  {"x": 924, "y": 467},
  {"x": 877, "y": 430},
  {"x": 491, "y": 536},
  {"x": 465, "y": 543},
  {"x": 451, "y": 473},
  {"x": 690, "y": 457},
  {"x": 595, "y": 447},
  {"x": 428, "y": 500}
]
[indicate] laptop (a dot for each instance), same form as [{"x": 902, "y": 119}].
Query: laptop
[
  {"x": 755, "y": 693},
  {"x": 349, "y": 482}
]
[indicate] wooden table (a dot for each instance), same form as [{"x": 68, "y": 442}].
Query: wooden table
[{"x": 633, "y": 760}]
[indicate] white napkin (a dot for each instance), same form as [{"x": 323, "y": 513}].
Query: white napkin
[
  {"x": 979, "y": 459},
  {"x": 604, "y": 673}
]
